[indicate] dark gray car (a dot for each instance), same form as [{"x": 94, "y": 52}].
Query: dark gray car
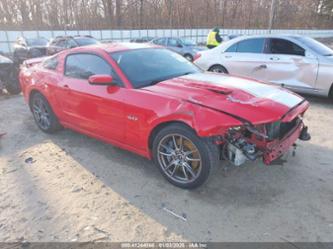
[
  {"x": 185, "y": 47},
  {"x": 26, "y": 48},
  {"x": 9, "y": 76}
]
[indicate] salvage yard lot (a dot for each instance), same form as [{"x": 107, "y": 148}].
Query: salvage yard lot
[{"x": 69, "y": 187}]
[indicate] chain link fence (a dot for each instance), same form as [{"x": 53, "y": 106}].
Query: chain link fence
[{"x": 7, "y": 38}]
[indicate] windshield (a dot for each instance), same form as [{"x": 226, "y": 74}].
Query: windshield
[
  {"x": 146, "y": 67},
  {"x": 315, "y": 46},
  {"x": 187, "y": 42},
  {"x": 86, "y": 41},
  {"x": 37, "y": 42}
]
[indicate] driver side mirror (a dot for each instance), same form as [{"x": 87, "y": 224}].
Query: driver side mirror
[
  {"x": 101, "y": 80},
  {"x": 179, "y": 45}
]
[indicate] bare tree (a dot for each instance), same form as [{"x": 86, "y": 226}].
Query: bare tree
[{"x": 127, "y": 14}]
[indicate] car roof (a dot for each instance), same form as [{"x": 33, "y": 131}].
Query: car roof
[
  {"x": 83, "y": 37},
  {"x": 167, "y": 37},
  {"x": 114, "y": 47},
  {"x": 66, "y": 37},
  {"x": 244, "y": 37},
  {"x": 225, "y": 45}
]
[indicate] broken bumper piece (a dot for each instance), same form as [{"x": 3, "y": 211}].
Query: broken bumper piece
[{"x": 277, "y": 149}]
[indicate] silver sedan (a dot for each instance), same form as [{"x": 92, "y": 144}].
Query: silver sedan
[{"x": 299, "y": 63}]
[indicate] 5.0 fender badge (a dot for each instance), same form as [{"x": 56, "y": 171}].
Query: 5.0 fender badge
[{"x": 132, "y": 117}]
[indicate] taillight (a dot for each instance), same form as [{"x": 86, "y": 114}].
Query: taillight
[{"x": 196, "y": 56}]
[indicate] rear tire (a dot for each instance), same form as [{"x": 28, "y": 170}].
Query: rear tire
[
  {"x": 218, "y": 69},
  {"x": 183, "y": 158},
  {"x": 44, "y": 117},
  {"x": 330, "y": 94}
]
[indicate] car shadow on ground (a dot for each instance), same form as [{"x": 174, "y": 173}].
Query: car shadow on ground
[{"x": 253, "y": 186}]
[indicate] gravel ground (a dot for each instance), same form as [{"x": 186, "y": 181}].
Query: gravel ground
[{"x": 69, "y": 187}]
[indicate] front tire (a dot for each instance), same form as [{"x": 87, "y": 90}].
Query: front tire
[
  {"x": 183, "y": 158},
  {"x": 218, "y": 69},
  {"x": 330, "y": 94},
  {"x": 44, "y": 117}
]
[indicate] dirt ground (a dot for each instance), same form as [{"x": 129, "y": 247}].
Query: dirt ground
[{"x": 69, "y": 187}]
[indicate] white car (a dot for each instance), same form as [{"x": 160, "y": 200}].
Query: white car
[{"x": 299, "y": 63}]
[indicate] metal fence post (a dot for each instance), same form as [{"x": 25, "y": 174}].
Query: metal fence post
[{"x": 8, "y": 42}]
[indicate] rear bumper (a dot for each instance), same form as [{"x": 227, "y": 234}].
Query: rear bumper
[{"x": 276, "y": 149}]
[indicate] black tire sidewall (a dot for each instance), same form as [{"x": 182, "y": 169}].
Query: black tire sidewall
[
  {"x": 224, "y": 71},
  {"x": 54, "y": 126},
  {"x": 198, "y": 142}
]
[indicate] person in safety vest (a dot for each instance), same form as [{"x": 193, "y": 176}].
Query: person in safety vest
[{"x": 214, "y": 39}]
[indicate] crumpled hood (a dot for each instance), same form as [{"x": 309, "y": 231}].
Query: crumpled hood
[{"x": 248, "y": 99}]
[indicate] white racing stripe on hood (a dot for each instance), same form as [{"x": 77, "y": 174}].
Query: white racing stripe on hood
[{"x": 252, "y": 87}]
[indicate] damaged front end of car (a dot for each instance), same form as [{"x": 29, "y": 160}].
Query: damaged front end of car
[{"x": 268, "y": 141}]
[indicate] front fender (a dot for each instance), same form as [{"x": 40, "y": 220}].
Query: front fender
[{"x": 204, "y": 121}]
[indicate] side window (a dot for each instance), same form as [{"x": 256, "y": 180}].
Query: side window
[
  {"x": 232, "y": 49},
  {"x": 82, "y": 66},
  {"x": 281, "y": 46},
  {"x": 51, "y": 63},
  {"x": 173, "y": 42},
  {"x": 251, "y": 46},
  {"x": 160, "y": 41},
  {"x": 61, "y": 43},
  {"x": 70, "y": 44}
]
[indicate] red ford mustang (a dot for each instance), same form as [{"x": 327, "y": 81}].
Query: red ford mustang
[{"x": 154, "y": 102}]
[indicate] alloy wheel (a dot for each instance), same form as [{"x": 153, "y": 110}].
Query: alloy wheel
[
  {"x": 41, "y": 113},
  {"x": 179, "y": 158}
]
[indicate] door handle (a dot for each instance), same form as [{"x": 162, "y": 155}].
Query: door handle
[
  {"x": 274, "y": 58},
  {"x": 263, "y": 66},
  {"x": 66, "y": 86}
]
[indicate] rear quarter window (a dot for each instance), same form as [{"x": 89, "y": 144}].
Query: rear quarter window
[
  {"x": 282, "y": 46},
  {"x": 51, "y": 63},
  {"x": 232, "y": 49},
  {"x": 251, "y": 46}
]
